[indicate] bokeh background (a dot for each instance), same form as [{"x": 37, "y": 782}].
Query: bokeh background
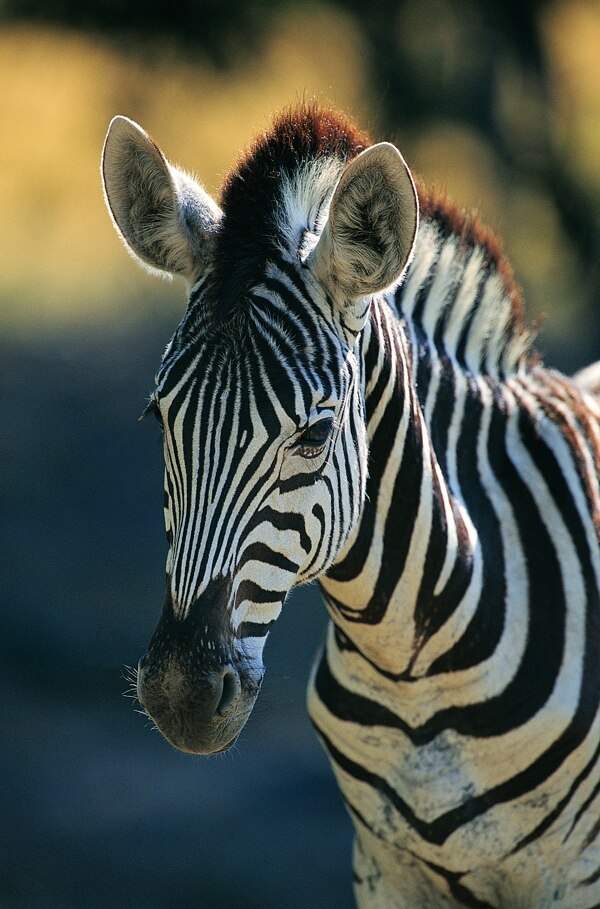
[{"x": 499, "y": 105}]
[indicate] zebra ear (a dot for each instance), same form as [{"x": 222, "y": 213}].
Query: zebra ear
[
  {"x": 163, "y": 215},
  {"x": 369, "y": 236}
]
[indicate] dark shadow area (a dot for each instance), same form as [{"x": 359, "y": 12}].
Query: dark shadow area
[{"x": 98, "y": 811}]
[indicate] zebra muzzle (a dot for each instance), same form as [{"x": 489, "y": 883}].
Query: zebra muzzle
[
  {"x": 200, "y": 712},
  {"x": 193, "y": 684}
]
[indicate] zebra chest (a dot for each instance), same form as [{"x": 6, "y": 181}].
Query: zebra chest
[
  {"x": 399, "y": 788},
  {"x": 400, "y": 777},
  {"x": 429, "y": 808}
]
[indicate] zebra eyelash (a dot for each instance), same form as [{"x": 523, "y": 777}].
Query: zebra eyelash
[{"x": 153, "y": 409}]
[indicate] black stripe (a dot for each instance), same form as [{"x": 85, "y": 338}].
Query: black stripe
[
  {"x": 456, "y": 888},
  {"x": 299, "y": 481},
  {"x": 423, "y": 291},
  {"x": 256, "y": 480},
  {"x": 592, "y": 835},
  {"x": 379, "y": 448},
  {"x": 584, "y": 807},
  {"x": 184, "y": 457},
  {"x": 439, "y": 332},
  {"x": 299, "y": 318},
  {"x": 461, "y": 347},
  {"x": 402, "y": 508},
  {"x": 595, "y": 876},
  {"x": 589, "y": 700},
  {"x": 376, "y": 341},
  {"x": 355, "y": 708},
  {"x": 425, "y": 615},
  {"x": 255, "y": 629},
  {"x": 533, "y": 682},
  {"x": 326, "y": 481},
  {"x": 284, "y": 521},
  {"x": 423, "y": 376},
  {"x": 319, "y": 514},
  {"x": 443, "y": 411},
  {"x": 442, "y": 605},
  {"x": 254, "y": 593},
  {"x": 276, "y": 354},
  {"x": 485, "y": 629},
  {"x": 259, "y": 552}
]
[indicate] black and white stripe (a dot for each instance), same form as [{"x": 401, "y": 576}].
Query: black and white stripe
[
  {"x": 458, "y": 694},
  {"x": 405, "y": 448}
]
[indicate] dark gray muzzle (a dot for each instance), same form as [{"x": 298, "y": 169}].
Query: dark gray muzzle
[{"x": 194, "y": 682}]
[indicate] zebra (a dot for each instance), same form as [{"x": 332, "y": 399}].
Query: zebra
[{"x": 353, "y": 395}]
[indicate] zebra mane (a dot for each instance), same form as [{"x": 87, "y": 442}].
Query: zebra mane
[
  {"x": 296, "y": 162},
  {"x": 460, "y": 290},
  {"x": 277, "y": 198}
]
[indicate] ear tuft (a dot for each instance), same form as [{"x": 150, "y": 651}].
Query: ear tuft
[
  {"x": 164, "y": 216},
  {"x": 369, "y": 237}
]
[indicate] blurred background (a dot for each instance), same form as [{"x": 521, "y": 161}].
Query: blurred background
[{"x": 499, "y": 105}]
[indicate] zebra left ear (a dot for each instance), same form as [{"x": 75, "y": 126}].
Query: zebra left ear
[
  {"x": 162, "y": 214},
  {"x": 369, "y": 236}
]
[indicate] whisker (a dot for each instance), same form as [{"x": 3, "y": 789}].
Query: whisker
[{"x": 130, "y": 674}]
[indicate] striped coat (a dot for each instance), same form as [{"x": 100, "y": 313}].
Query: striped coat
[{"x": 352, "y": 396}]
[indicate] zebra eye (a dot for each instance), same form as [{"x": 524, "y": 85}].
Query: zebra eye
[{"x": 312, "y": 441}]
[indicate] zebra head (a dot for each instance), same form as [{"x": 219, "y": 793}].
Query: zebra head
[{"x": 260, "y": 393}]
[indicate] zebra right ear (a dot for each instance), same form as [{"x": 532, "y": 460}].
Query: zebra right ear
[
  {"x": 369, "y": 236},
  {"x": 164, "y": 217}
]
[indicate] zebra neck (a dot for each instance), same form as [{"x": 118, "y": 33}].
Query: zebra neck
[{"x": 405, "y": 571}]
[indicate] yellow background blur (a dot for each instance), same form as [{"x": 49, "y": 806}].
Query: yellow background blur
[{"x": 61, "y": 261}]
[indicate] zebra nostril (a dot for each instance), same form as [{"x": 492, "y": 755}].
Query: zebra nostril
[{"x": 231, "y": 690}]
